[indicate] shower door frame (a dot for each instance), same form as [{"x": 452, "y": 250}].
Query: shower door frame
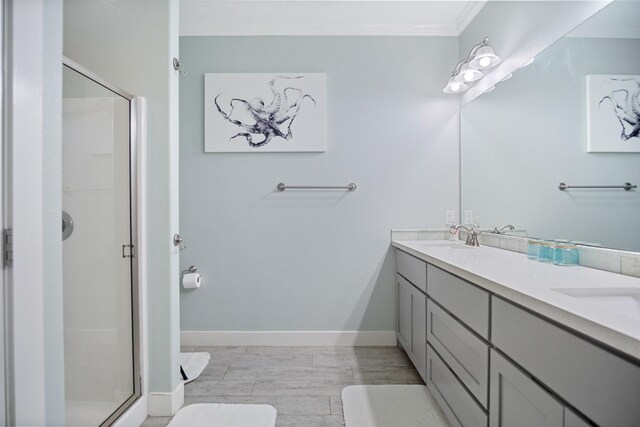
[{"x": 134, "y": 178}]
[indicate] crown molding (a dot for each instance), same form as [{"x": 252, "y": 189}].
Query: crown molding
[
  {"x": 257, "y": 18},
  {"x": 468, "y": 13},
  {"x": 260, "y": 28}
]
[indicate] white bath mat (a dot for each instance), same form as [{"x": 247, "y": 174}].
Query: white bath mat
[
  {"x": 392, "y": 406},
  {"x": 193, "y": 364},
  {"x": 224, "y": 415}
]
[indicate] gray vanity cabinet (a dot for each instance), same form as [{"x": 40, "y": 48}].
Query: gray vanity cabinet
[
  {"x": 517, "y": 401},
  {"x": 489, "y": 362}
]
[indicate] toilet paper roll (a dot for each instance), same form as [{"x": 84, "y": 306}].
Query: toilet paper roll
[{"x": 191, "y": 280}]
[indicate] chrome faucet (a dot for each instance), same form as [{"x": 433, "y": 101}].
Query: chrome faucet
[
  {"x": 501, "y": 229},
  {"x": 472, "y": 234}
]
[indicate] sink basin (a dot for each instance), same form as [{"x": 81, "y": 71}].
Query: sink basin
[
  {"x": 445, "y": 244},
  {"x": 619, "y": 300}
]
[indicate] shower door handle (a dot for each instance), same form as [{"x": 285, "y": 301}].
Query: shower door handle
[
  {"x": 67, "y": 225},
  {"x": 130, "y": 255}
]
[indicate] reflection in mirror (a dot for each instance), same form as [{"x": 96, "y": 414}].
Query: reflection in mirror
[{"x": 530, "y": 134}]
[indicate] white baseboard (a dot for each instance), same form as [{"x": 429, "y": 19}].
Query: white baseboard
[
  {"x": 166, "y": 404},
  {"x": 287, "y": 338},
  {"x": 134, "y": 416}
]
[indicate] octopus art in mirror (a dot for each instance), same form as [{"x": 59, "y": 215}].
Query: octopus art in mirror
[
  {"x": 626, "y": 107},
  {"x": 259, "y": 122}
]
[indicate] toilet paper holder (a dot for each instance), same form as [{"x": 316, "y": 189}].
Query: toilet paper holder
[{"x": 191, "y": 269}]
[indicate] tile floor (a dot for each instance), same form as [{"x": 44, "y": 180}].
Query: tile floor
[{"x": 302, "y": 383}]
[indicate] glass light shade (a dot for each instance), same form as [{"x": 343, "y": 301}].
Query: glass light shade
[
  {"x": 507, "y": 77},
  {"x": 468, "y": 74},
  {"x": 454, "y": 87},
  {"x": 485, "y": 58},
  {"x": 491, "y": 89},
  {"x": 527, "y": 63}
]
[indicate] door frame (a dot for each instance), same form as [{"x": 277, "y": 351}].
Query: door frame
[{"x": 3, "y": 97}]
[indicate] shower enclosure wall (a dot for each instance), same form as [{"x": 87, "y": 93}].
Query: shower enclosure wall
[{"x": 101, "y": 337}]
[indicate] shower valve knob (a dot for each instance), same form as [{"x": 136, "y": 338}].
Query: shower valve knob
[{"x": 177, "y": 240}]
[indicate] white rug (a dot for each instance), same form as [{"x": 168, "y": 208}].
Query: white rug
[
  {"x": 193, "y": 364},
  {"x": 391, "y": 405},
  {"x": 224, "y": 415}
]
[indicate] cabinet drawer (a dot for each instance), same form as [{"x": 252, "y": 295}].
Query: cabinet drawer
[
  {"x": 601, "y": 385},
  {"x": 465, "y": 353},
  {"x": 517, "y": 401},
  {"x": 457, "y": 404},
  {"x": 413, "y": 269},
  {"x": 463, "y": 300}
]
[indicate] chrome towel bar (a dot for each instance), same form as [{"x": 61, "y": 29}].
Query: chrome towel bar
[
  {"x": 627, "y": 186},
  {"x": 282, "y": 187}
]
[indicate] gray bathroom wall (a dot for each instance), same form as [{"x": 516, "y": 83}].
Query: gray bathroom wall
[{"x": 316, "y": 261}]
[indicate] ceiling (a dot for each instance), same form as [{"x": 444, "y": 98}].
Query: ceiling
[{"x": 333, "y": 17}]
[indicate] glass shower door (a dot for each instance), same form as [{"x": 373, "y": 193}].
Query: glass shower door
[{"x": 99, "y": 308}]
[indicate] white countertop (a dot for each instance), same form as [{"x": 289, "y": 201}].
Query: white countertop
[{"x": 531, "y": 283}]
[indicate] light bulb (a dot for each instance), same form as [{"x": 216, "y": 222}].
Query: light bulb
[
  {"x": 455, "y": 86},
  {"x": 468, "y": 76},
  {"x": 484, "y": 62}
]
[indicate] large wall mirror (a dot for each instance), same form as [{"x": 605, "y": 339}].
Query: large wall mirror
[{"x": 520, "y": 141}]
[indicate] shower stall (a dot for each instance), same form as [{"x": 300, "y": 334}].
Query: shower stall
[{"x": 99, "y": 232}]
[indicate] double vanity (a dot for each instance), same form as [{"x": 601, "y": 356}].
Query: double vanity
[{"x": 501, "y": 340}]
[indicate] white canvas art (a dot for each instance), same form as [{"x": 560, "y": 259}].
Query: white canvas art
[
  {"x": 613, "y": 114},
  {"x": 264, "y": 112}
]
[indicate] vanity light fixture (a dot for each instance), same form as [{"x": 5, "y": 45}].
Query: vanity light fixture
[{"x": 468, "y": 70}]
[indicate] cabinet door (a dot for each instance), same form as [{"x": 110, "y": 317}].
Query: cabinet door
[
  {"x": 403, "y": 332},
  {"x": 517, "y": 401},
  {"x": 419, "y": 330}
]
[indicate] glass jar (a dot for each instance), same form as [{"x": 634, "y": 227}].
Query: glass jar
[
  {"x": 565, "y": 254},
  {"x": 533, "y": 246},
  {"x": 545, "y": 251}
]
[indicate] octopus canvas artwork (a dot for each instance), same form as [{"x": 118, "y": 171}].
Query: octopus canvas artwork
[
  {"x": 613, "y": 114},
  {"x": 261, "y": 112}
]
